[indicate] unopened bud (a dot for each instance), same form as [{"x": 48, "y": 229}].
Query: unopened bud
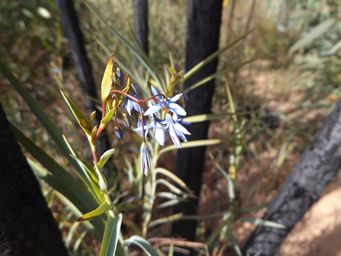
[{"x": 118, "y": 133}]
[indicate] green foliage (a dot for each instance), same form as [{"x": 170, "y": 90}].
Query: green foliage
[
  {"x": 320, "y": 53},
  {"x": 137, "y": 203},
  {"x": 314, "y": 34},
  {"x": 143, "y": 244},
  {"x": 274, "y": 45},
  {"x": 111, "y": 235}
]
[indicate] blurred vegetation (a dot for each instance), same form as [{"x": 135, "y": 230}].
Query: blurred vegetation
[{"x": 298, "y": 69}]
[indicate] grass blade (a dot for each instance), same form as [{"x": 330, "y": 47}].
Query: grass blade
[
  {"x": 312, "y": 35},
  {"x": 215, "y": 75},
  {"x": 172, "y": 177},
  {"x": 262, "y": 222},
  {"x": 140, "y": 56},
  {"x": 191, "y": 144},
  {"x": 213, "y": 56}
]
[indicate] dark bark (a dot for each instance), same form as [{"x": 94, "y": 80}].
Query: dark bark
[
  {"x": 141, "y": 23},
  {"x": 203, "y": 27},
  {"x": 318, "y": 165},
  {"x": 74, "y": 34},
  {"x": 26, "y": 223}
]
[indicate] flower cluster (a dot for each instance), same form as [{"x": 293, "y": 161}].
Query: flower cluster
[
  {"x": 165, "y": 115},
  {"x": 157, "y": 116}
]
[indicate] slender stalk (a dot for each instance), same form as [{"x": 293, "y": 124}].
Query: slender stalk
[{"x": 142, "y": 124}]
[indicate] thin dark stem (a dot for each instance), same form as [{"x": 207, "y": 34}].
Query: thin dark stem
[
  {"x": 124, "y": 94},
  {"x": 152, "y": 98}
]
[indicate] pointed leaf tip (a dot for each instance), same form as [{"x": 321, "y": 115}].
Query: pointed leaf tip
[{"x": 107, "y": 78}]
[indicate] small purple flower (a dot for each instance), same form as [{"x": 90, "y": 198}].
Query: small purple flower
[{"x": 145, "y": 160}]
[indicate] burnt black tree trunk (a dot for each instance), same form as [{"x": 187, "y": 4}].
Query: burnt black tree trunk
[
  {"x": 203, "y": 27},
  {"x": 304, "y": 185},
  {"x": 74, "y": 34},
  {"x": 26, "y": 223},
  {"x": 141, "y": 23}
]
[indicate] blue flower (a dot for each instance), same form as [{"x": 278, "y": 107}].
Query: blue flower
[
  {"x": 159, "y": 130},
  {"x": 166, "y": 103},
  {"x": 176, "y": 131},
  {"x": 165, "y": 107},
  {"x": 153, "y": 109},
  {"x": 129, "y": 104},
  {"x": 145, "y": 160},
  {"x": 175, "y": 108}
]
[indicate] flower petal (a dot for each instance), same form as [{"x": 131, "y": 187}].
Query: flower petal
[
  {"x": 160, "y": 136},
  {"x": 145, "y": 159},
  {"x": 154, "y": 91},
  {"x": 174, "y": 136},
  {"x": 129, "y": 106},
  {"x": 176, "y": 97},
  {"x": 152, "y": 109},
  {"x": 181, "y": 128},
  {"x": 177, "y": 109},
  {"x": 136, "y": 106},
  {"x": 134, "y": 89},
  {"x": 175, "y": 117},
  {"x": 181, "y": 136}
]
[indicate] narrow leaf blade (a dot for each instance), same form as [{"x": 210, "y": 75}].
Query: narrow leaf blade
[
  {"x": 312, "y": 35},
  {"x": 191, "y": 144},
  {"x": 96, "y": 212},
  {"x": 105, "y": 157},
  {"x": 38, "y": 111},
  {"x": 111, "y": 235},
  {"x": 143, "y": 244},
  {"x": 80, "y": 117}
]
